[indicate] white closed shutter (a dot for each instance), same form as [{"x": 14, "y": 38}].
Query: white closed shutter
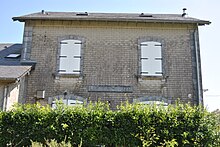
[
  {"x": 151, "y": 59},
  {"x": 70, "y": 55},
  {"x": 145, "y": 61},
  {"x": 76, "y": 56}
]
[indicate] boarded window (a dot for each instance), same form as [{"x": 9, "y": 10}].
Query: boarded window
[
  {"x": 151, "y": 59},
  {"x": 70, "y": 56}
]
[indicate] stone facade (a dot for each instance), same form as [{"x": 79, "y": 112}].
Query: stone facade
[{"x": 110, "y": 63}]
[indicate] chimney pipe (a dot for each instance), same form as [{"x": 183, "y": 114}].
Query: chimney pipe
[
  {"x": 184, "y": 12},
  {"x": 42, "y": 12}
]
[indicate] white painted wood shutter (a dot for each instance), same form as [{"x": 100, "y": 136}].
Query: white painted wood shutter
[
  {"x": 151, "y": 59},
  {"x": 70, "y": 56}
]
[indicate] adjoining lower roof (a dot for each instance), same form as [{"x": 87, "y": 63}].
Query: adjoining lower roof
[
  {"x": 7, "y": 49},
  {"x": 10, "y": 66},
  {"x": 173, "y": 18},
  {"x": 12, "y": 73}
]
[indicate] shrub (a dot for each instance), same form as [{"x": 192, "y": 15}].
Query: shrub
[
  {"x": 52, "y": 143},
  {"x": 95, "y": 124}
]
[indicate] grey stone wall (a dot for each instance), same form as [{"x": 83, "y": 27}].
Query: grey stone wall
[
  {"x": 23, "y": 89},
  {"x": 110, "y": 59}
]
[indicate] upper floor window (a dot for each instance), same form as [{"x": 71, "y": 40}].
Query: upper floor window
[
  {"x": 151, "y": 59},
  {"x": 70, "y": 56}
]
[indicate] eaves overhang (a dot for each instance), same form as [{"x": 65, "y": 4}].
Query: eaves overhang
[
  {"x": 8, "y": 80},
  {"x": 11, "y": 74},
  {"x": 113, "y": 17}
]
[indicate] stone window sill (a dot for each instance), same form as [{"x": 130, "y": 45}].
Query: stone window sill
[
  {"x": 58, "y": 76},
  {"x": 151, "y": 77}
]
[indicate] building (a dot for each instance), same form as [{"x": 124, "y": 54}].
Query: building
[
  {"x": 112, "y": 57},
  {"x": 13, "y": 76}
]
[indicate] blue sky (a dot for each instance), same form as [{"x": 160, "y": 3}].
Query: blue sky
[{"x": 204, "y": 9}]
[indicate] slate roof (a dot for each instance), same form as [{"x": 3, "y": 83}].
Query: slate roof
[
  {"x": 10, "y": 68},
  {"x": 9, "y": 48},
  {"x": 144, "y": 17}
]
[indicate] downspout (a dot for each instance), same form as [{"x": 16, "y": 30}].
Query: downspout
[
  {"x": 198, "y": 70},
  {"x": 25, "y": 52}
]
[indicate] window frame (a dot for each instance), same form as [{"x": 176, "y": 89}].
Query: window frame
[
  {"x": 156, "y": 40},
  {"x": 70, "y": 37}
]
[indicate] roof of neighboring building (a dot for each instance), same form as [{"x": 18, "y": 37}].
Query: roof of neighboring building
[
  {"x": 12, "y": 73},
  {"x": 173, "y": 18},
  {"x": 10, "y": 67},
  {"x": 7, "y": 49}
]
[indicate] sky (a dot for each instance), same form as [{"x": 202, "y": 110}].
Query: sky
[{"x": 12, "y": 32}]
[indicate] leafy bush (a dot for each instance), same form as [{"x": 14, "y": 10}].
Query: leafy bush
[
  {"x": 95, "y": 124},
  {"x": 217, "y": 115},
  {"x": 52, "y": 143}
]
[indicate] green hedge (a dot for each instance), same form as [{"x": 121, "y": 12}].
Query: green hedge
[{"x": 94, "y": 124}]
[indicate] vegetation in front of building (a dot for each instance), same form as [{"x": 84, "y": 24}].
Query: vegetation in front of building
[{"x": 96, "y": 124}]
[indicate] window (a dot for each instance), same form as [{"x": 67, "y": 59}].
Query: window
[
  {"x": 70, "y": 56},
  {"x": 67, "y": 99},
  {"x": 155, "y": 100},
  {"x": 160, "y": 103},
  {"x": 13, "y": 55},
  {"x": 151, "y": 59},
  {"x": 68, "y": 102}
]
